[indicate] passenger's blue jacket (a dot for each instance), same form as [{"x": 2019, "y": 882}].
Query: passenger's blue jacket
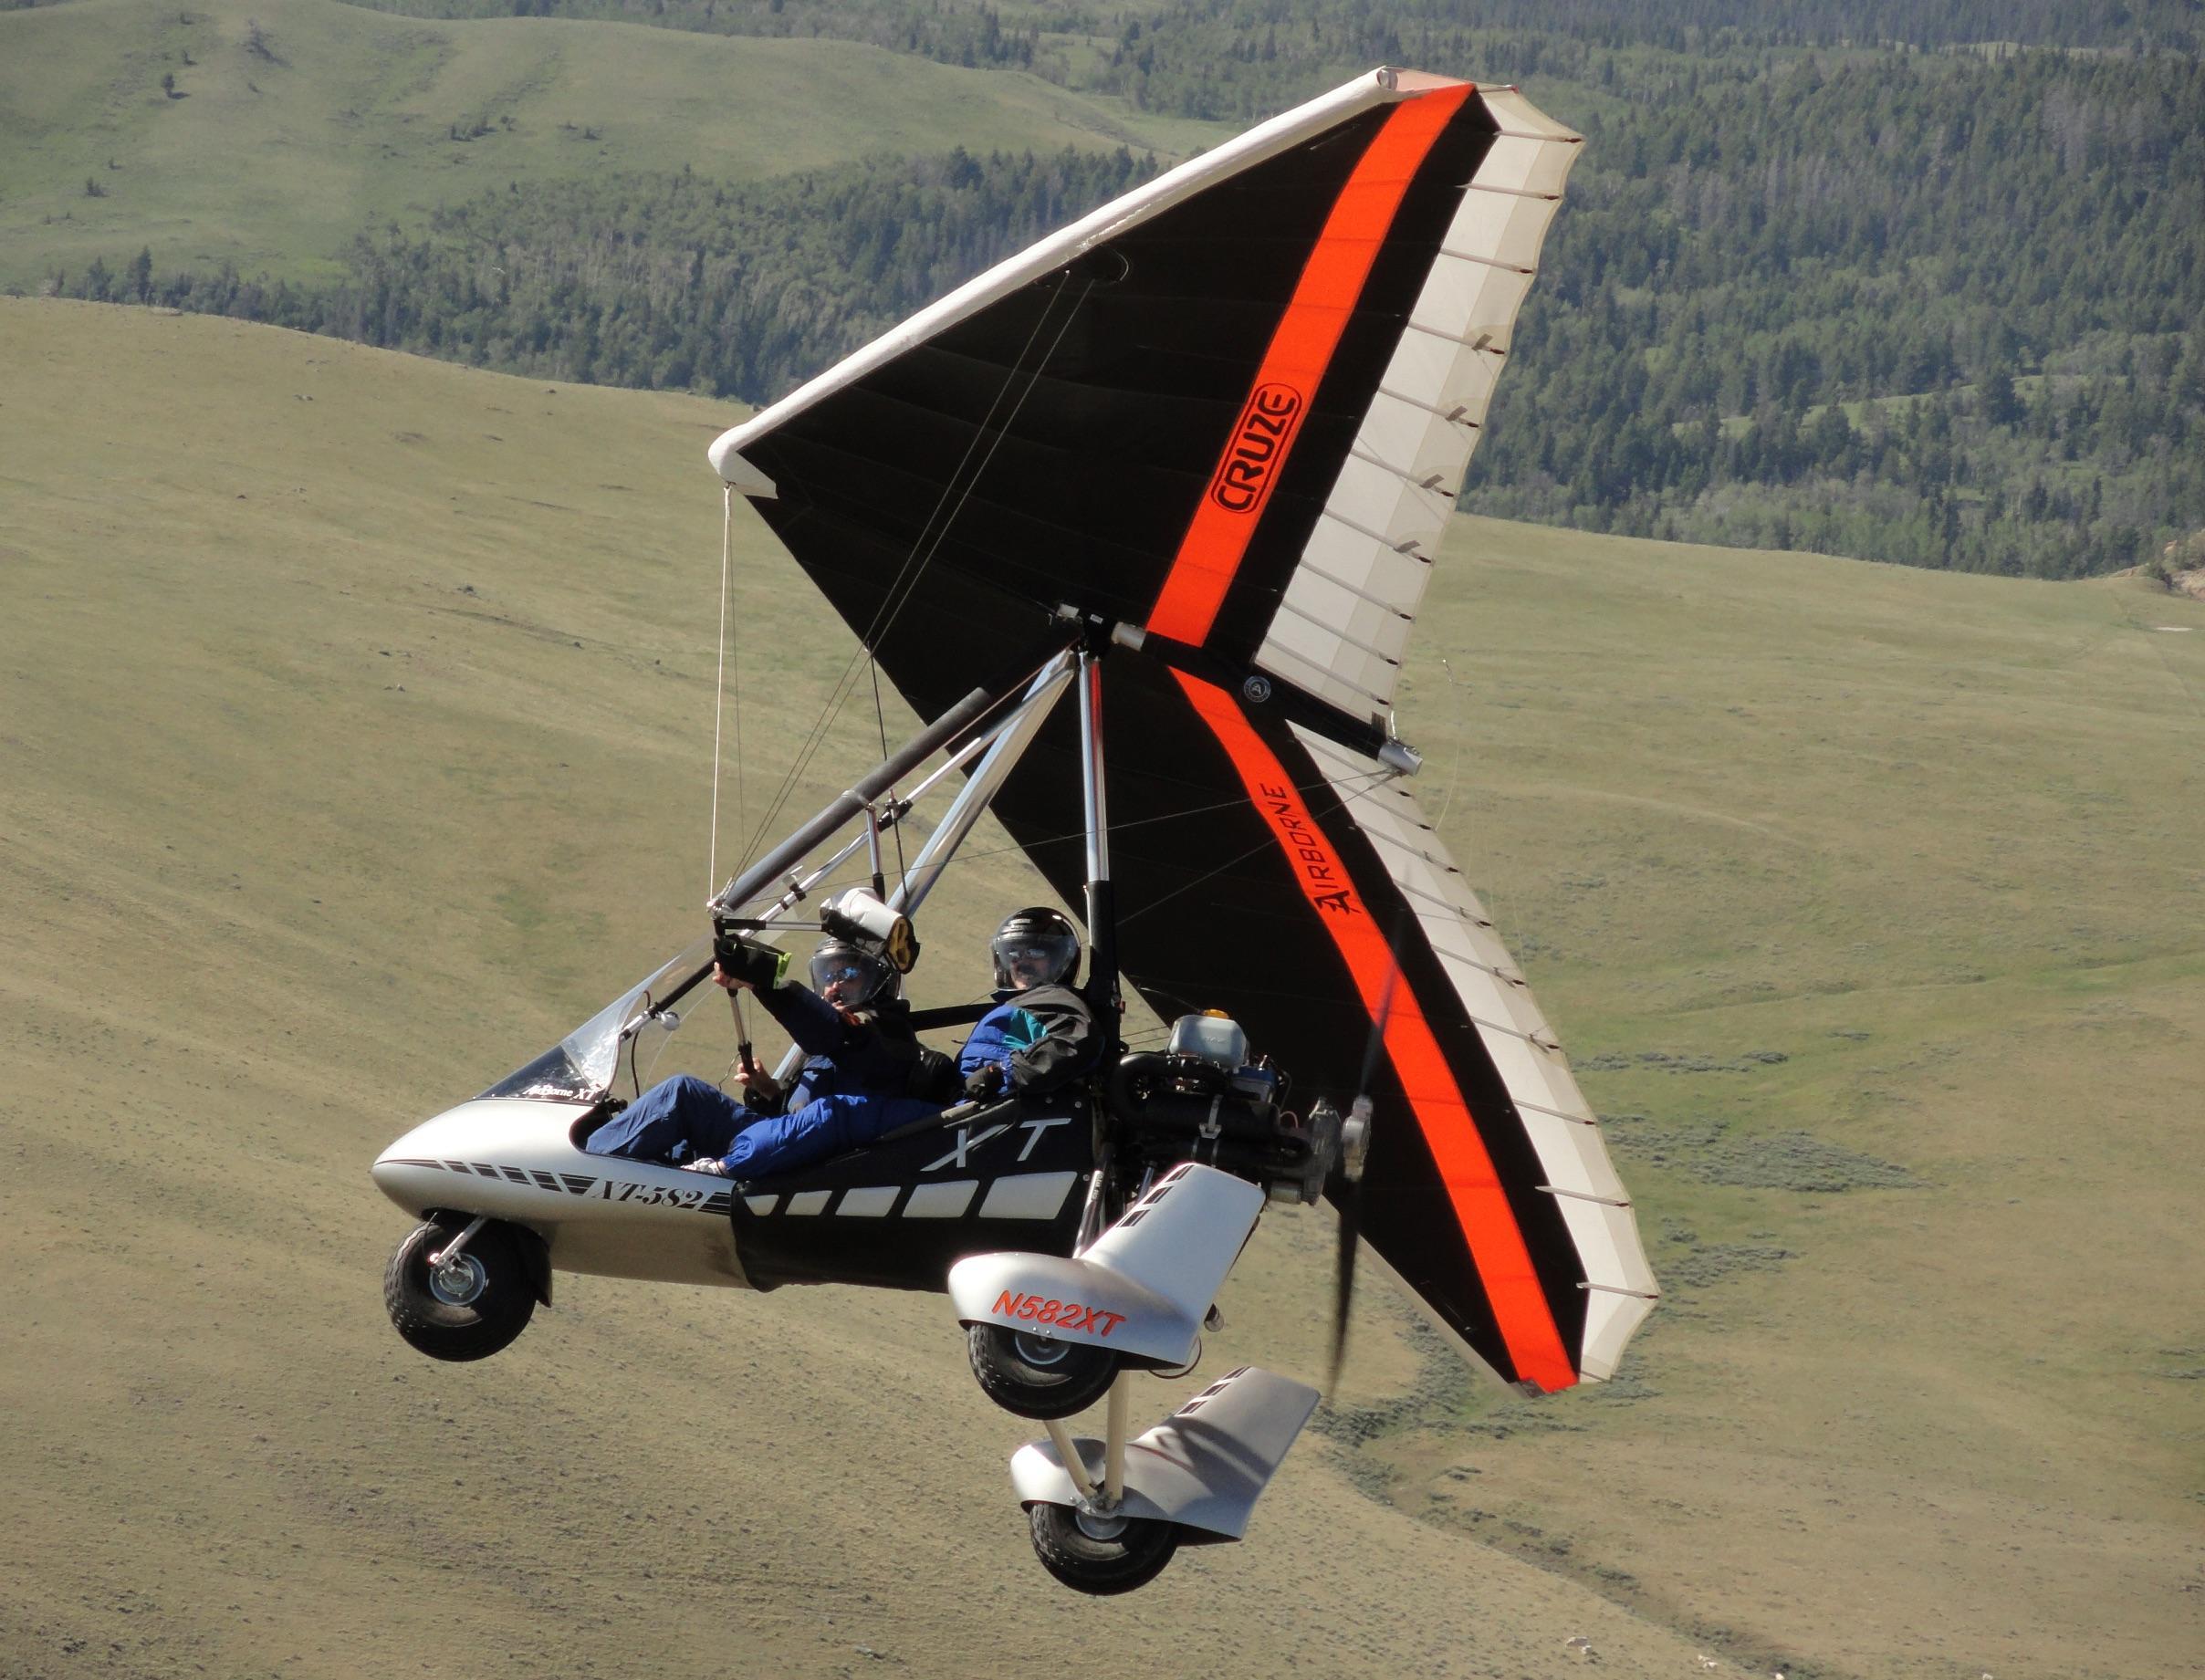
[{"x": 1042, "y": 1038}]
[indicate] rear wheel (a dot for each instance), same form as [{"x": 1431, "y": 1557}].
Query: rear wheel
[
  {"x": 1101, "y": 1555},
  {"x": 470, "y": 1306},
  {"x": 1039, "y": 1376}
]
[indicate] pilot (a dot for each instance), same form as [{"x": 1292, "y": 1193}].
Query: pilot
[
  {"x": 863, "y": 1074},
  {"x": 1041, "y": 1034}
]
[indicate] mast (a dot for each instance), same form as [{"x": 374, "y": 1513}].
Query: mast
[{"x": 1102, "y": 908}]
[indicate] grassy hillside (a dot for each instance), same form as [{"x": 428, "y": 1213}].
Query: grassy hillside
[
  {"x": 354, "y": 746},
  {"x": 1867, "y": 904},
  {"x": 299, "y": 123}
]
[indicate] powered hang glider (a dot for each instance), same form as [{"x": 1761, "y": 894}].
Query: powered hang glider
[
  {"x": 1206, "y": 439},
  {"x": 1227, "y": 416}
]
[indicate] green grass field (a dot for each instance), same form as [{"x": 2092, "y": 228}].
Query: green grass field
[
  {"x": 273, "y": 159},
  {"x": 1838, "y": 877},
  {"x": 355, "y": 743}
]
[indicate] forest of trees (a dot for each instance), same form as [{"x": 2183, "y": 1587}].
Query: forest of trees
[
  {"x": 669, "y": 281},
  {"x": 1238, "y": 59},
  {"x": 1928, "y": 310},
  {"x": 1941, "y": 309}
]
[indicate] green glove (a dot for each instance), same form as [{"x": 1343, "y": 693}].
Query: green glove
[{"x": 751, "y": 961}]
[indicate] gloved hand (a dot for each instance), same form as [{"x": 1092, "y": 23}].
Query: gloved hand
[
  {"x": 747, "y": 961},
  {"x": 983, "y": 1083},
  {"x": 706, "y": 1163}
]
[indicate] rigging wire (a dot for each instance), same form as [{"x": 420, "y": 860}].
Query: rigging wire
[
  {"x": 1353, "y": 785},
  {"x": 719, "y": 695},
  {"x": 879, "y": 713},
  {"x": 886, "y": 616},
  {"x": 1261, "y": 846},
  {"x": 880, "y": 717},
  {"x": 905, "y": 583}
]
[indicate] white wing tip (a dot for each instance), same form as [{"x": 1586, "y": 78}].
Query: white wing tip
[
  {"x": 738, "y": 474},
  {"x": 1396, "y": 80}
]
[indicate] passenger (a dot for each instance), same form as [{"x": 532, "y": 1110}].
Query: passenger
[
  {"x": 1040, "y": 1035},
  {"x": 864, "y": 1074}
]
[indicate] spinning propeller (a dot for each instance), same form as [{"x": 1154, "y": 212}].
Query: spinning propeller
[{"x": 1354, "y": 1143}]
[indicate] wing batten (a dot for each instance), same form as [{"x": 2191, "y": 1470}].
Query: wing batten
[
  {"x": 1487, "y": 1221},
  {"x": 1409, "y": 546},
  {"x": 1422, "y": 427},
  {"x": 1556, "y": 1120},
  {"x": 1306, "y": 674},
  {"x": 1288, "y": 606},
  {"x": 1489, "y": 262},
  {"x": 1295, "y": 365},
  {"x": 1586, "y": 1195}
]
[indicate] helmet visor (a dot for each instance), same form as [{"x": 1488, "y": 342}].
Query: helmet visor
[
  {"x": 1027, "y": 957},
  {"x": 845, "y": 976}
]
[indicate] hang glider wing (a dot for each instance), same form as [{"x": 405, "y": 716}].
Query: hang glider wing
[{"x": 1233, "y": 410}]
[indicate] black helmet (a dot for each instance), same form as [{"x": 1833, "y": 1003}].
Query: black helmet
[
  {"x": 1041, "y": 941},
  {"x": 864, "y": 974}
]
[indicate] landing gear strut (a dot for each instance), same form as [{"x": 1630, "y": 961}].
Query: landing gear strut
[{"x": 1094, "y": 1546}]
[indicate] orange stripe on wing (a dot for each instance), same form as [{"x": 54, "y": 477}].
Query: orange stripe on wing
[
  {"x": 1300, "y": 350},
  {"x": 1481, "y": 1205}
]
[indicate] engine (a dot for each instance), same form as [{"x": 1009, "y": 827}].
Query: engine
[{"x": 1203, "y": 1099}]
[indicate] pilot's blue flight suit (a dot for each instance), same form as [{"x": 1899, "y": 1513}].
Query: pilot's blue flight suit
[{"x": 855, "y": 1084}]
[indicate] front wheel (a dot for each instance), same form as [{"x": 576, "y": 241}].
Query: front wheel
[
  {"x": 1101, "y": 1555},
  {"x": 1039, "y": 1376},
  {"x": 470, "y": 1307}
]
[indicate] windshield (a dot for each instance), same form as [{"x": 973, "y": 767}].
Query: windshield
[{"x": 581, "y": 1066}]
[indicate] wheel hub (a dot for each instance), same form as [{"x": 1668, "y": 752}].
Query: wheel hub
[
  {"x": 458, "y": 1281},
  {"x": 1040, "y": 1351},
  {"x": 1099, "y": 1525}
]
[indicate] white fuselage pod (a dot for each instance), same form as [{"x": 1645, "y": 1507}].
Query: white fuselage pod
[{"x": 514, "y": 1158}]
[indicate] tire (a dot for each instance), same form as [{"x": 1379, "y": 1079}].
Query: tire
[
  {"x": 1102, "y": 1558},
  {"x": 469, "y": 1311},
  {"x": 1036, "y": 1377}
]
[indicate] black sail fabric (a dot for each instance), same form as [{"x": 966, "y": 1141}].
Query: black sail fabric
[{"x": 1231, "y": 410}]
